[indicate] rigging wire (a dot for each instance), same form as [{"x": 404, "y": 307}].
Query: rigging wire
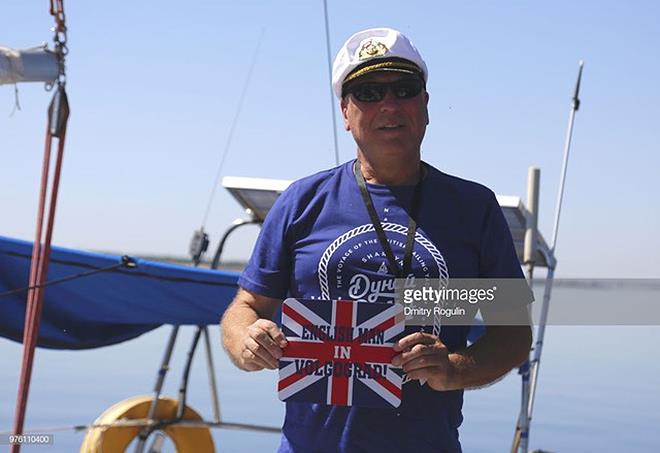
[
  {"x": 332, "y": 95},
  {"x": 231, "y": 130}
]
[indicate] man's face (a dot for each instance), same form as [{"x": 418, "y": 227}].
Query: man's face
[{"x": 391, "y": 125}]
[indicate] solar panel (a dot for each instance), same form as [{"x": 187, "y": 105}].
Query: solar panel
[{"x": 257, "y": 196}]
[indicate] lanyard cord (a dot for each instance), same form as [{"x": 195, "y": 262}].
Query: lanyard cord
[{"x": 380, "y": 233}]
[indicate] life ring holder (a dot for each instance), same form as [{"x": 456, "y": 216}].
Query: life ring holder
[{"x": 115, "y": 439}]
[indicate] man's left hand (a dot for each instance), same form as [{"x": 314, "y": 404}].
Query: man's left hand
[{"x": 423, "y": 356}]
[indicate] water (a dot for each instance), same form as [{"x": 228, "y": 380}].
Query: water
[{"x": 599, "y": 390}]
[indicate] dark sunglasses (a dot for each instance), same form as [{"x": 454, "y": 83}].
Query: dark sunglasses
[{"x": 376, "y": 91}]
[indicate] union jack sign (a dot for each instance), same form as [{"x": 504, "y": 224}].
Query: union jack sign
[{"x": 340, "y": 352}]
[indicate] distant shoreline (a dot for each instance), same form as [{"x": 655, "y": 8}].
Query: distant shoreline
[
  {"x": 182, "y": 260},
  {"x": 569, "y": 282}
]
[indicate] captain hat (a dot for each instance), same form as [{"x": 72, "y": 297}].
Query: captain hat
[{"x": 376, "y": 49}]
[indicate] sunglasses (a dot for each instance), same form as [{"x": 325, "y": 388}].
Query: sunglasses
[{"x": 376, "y": 91}]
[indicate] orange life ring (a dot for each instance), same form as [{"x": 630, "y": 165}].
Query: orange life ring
[{"x": 115, "y": 439}]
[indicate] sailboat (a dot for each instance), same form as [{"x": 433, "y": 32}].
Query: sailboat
[{"x": 82, "y": 300}]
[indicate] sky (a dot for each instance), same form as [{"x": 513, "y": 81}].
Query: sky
[{"x": 154, "y": 88}]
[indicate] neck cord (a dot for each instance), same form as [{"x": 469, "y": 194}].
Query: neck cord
[{"x": 380, "y": 233}]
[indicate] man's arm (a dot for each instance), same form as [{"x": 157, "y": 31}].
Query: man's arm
[
  {"x": 499, "y": 350},
  {"x": 251, "y": 339}
]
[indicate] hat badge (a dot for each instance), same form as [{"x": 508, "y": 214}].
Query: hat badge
[{"x": 371, "y": 49}]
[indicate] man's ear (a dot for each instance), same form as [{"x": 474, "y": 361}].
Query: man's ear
[
  {"x": 426, "y": 105},
  {"x": 344, "y": 112}
]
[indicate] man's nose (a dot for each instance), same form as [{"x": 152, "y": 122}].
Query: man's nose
[{"x": 389, "y": 101}]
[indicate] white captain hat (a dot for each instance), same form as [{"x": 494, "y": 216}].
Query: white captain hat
[{"x": 376, "y": 49}]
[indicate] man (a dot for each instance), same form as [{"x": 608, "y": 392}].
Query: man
[{"x": 347, "y": 232}]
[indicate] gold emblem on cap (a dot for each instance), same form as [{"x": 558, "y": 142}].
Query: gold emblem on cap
[{"x": 371, "y": 49}]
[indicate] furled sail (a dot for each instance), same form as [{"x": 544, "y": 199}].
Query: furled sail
[{"x": 111, "y": 306}]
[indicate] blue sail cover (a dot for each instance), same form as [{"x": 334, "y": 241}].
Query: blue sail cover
[{"x": 111, "y": 306}]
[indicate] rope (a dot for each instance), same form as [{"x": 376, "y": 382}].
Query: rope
[
  {"x": 135, "y": 273},
  {"x": 126, "y": 261},
  {"x": 58, "y": 115}
]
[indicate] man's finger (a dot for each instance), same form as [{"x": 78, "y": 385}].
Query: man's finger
[
  {"x": 253, "y": 362},
  {"x": 261, "y": 352},
  {"x": 263, "y": 338},
  {"x": 277, "y": 335},
  {"x": 416, "y": 351},
  {"x": 427, "y": 361},
  {"x": 274, "y": 331},
  {"x": 424, "y": 373},
  {"x": 414, "y": 338}
]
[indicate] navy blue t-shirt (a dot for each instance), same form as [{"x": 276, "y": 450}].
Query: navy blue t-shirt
[{"x": 318, "y": 243}]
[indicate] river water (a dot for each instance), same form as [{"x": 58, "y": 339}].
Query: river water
[{"x": 599, "y": 390}]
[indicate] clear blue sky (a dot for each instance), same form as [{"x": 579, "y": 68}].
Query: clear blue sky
[{"x": 154, "y": 86}]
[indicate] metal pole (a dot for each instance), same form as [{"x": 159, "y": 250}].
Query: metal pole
[
  {"x": 157, "y": 445},
  {"x": 211, "y": 372},
  {"x": 522, "y": 426},
  {"x": 530, "y": 377},
  {"x": 164, "y": 368},
  {"x": 567, "y": 147},
  {"x": 533, "y": 184},
  {"x": 522, "y": 435},
  {"x": 529, "y": 258},
  {"x": 235, "y": 225},
  {"x": 183, "y": 389},
  {"x": 332, "y": 95},
  {"x": 538, "y": 346}
]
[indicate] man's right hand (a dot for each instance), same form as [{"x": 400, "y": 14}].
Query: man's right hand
[
  {"x": 251, "y": 339},
  {"x": 262, "y": 346}
]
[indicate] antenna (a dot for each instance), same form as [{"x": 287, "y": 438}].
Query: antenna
[{"x": 567, "y": 147}]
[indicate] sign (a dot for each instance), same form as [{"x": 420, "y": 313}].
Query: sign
[{"x": 340, "y": 352}]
